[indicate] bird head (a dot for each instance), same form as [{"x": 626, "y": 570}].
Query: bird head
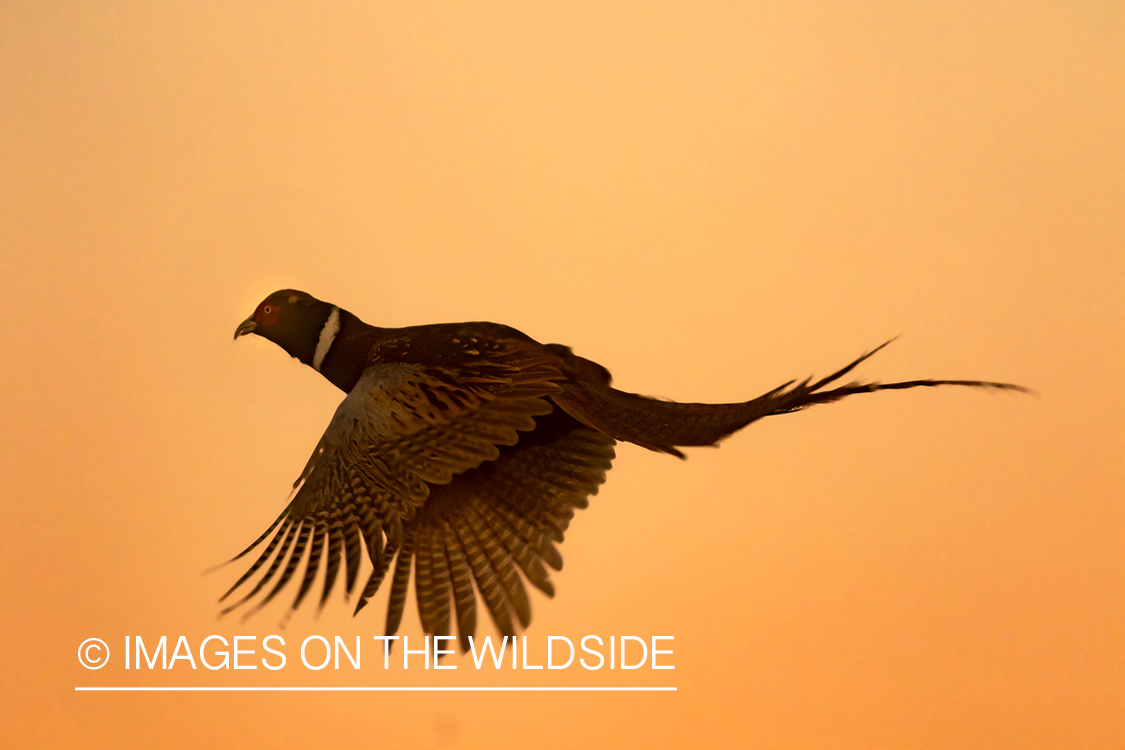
[{"x": 291, "y": 319}]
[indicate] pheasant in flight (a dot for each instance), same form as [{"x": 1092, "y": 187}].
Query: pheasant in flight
[{"x": 464, "y": 448}]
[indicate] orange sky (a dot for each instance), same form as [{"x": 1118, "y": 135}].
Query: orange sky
[{"x": 708, "y": 198}]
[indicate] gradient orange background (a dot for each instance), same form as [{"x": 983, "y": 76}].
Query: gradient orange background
[{"x": 708, "y": 198}]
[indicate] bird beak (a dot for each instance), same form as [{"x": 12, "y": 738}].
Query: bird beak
[{"x": 245, "y": 327}]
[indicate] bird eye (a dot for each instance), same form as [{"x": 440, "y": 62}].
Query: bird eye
[{"x": 267, "y": 309}]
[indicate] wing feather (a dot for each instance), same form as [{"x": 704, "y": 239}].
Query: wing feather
[
  {"x": 463, "y": 597},
  {"x": 502, "y": 565},
  {"x": 332, "y": 565},
  {"x": 439, "y": 564},
  {"x": 397, "y": 602},
  {"x": 486, "y": 579},
  {"x": 423, "y": 581},
  {"x": 261, "y": 558},
  {"x": 289, "y": 534},
  {"x": 319, "y": 542},
  {"x": 352, "y": 551},
  {"x": 294, "y": 559},
  {"x": 519, "y": 547}
]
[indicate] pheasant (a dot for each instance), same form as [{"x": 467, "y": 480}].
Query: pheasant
[{"x": 464, "y": 449}]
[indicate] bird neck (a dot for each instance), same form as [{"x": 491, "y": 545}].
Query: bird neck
[{"x": 342, "y": 349}]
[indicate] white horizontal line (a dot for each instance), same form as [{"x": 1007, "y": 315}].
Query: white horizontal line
[{"x": 370, "y": 689}]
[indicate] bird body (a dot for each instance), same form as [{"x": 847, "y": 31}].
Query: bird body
[{"x": 462, "y": 450}]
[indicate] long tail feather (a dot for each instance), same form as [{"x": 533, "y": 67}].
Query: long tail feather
[{"x": 664, "y": 425}]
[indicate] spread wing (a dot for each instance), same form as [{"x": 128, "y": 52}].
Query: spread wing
[
  {"x": 495, "y": 521},
  {"x": 404, "y": 430}
]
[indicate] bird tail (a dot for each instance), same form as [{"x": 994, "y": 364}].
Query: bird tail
[{"x": 664, "y": 425}]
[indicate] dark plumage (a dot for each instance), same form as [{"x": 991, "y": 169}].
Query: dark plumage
[{"x": 464, "y": 449}]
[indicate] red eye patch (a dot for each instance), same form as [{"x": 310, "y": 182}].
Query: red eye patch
[{"x": 267, "y": 313}]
